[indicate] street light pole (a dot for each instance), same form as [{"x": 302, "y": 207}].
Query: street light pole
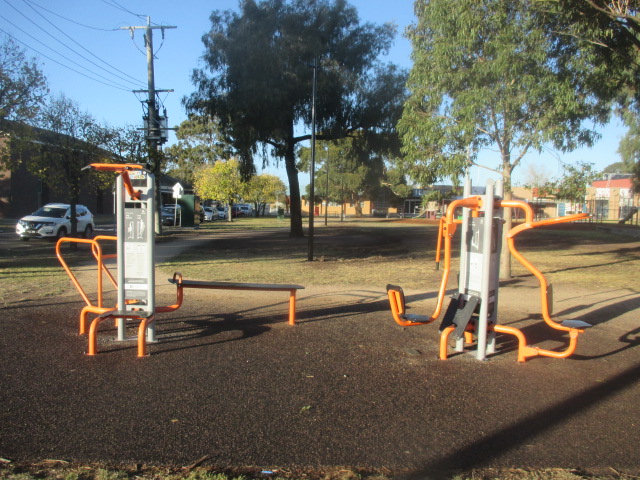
[
  {"x": 326, "y": 202},
  {"x": 313, "y": 158}
]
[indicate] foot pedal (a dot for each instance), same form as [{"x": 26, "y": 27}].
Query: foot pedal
[
  {"x": 575, "y": 324},
  {"x": 463, "y": 316},
  {"x": 459, "y": 314},
  {"x": 450, "y": 314}
]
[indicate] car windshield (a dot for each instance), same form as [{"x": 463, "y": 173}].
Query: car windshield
[{"x": 51, "y": 212}]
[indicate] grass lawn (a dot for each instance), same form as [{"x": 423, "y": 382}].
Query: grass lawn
[{"x": 353, "y": 252}]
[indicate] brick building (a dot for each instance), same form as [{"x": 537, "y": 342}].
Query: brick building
[
  {"x": 613, "y": 198},
  {"x": 22, "y": 192}
]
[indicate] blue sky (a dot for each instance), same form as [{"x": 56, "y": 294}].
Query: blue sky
[{"x": 84, "y": 54}]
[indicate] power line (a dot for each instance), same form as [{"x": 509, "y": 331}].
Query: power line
[
  {"x": 70, "y": 20},
  {"x": 62, "y": 64},
  {"x": 133, "y": 79},
  {"x": 137, "y": 82},
  {"x": 117, "y": 6},
  {"x": 56, "y": 52}
]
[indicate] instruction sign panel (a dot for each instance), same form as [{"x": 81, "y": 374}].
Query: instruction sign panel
[
  {"x": 136, "y": 251},
  {"x": 475, "y": 249},
  {"x": 137, "y": 244}
]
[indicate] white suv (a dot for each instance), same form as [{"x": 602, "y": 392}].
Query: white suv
[{"x": 54, "y": 221}]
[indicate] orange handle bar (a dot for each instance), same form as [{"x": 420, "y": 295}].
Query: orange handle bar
[
  {"x": 97, "y": 251},
  {"x": 122, "y": 169}
]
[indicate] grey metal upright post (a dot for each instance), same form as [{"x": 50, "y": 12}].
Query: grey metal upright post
[
  {"x": 136, "y": 249},
  {"x": 485, "y": 285},
  {"x": 464, "y": 231},
  {"x": 495, "y": 269},
  {"x": 120, "y": 194},
  {"x": 464, "y": 249}
]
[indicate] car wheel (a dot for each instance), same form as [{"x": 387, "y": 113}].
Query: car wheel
[
  {"x": 25, "y": 239},
  {"x": 88, "y": 232},
  {"x": 61, "y": 233}
]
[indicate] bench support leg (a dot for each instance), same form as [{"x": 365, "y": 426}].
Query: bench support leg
[{"x": 292, "y": 307}]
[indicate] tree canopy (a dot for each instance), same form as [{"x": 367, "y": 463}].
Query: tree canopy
[
  {"x": 354, "y": 168},
  {"x": 220, "y": 181},
  {"x": 258, "y": 79},
  {"x": 199, "y": 143},
  {"x": 23, "y": 88},
  {"x": 262, "y": 189},
  {"x": 77, "y": 143},
  {"x": 572, "y": 185},
  {"x": 608, "y": 35},
  {"x": 486, "y": 75}
]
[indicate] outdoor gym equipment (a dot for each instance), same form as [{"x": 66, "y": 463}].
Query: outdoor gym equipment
[
  {"x": 135, "y": 282},
  {"x": 473, "y": 308}
]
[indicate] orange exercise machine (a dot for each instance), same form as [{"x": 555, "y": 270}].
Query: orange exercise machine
[
  {"x": 473, "y": 309},
  {"x": 135, "y": 282}
]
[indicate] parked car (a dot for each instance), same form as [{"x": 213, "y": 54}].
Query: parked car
[
  {"x": 210, "y": 213},
  {"x": 236, "y": 211},
  {"x": 222, "y": 212},
  {"x": 246, "y": 210},
  {"x": 169, "y": 215},
  {"x": 54, "y": 221}
]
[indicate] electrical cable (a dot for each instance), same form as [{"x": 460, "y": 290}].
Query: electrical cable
[
  {"x": 135, "y": 80},
  {"x": 62, "y": 64},
  {"x": 117, "y": 6},
  {"x": 69, "y": 20},
  {"x": 136, "y": 83}
]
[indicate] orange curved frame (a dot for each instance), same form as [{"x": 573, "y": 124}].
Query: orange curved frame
[
  {"x": 142, "y": 332},
  {"x": 446, "y": 230},
  {"x": 98, "y": 308},
  {"x": 544, "y": 289},
  {"x": 96, "y": 250},
  {"x": 123, "y": 169}
]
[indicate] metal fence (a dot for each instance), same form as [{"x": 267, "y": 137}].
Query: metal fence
[{"x": 601, "y": 211}]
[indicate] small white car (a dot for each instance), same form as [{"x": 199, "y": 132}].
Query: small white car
[
  {"x": 54, "y": 221},
  {"x": 210, "y": 213},
  {"x": 246, "y": 210}
]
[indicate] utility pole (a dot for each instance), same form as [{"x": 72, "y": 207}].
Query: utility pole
[{"x": 155, "y": 134}]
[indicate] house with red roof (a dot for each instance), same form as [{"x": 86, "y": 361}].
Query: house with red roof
[{"x": 613, "y": 198}]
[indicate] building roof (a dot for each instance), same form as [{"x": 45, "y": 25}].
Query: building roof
[{"x": 613, "y": 183}]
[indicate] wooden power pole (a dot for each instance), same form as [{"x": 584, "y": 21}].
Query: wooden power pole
[{"x": 155, "y": 133}]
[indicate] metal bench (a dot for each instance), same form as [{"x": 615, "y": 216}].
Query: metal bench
[{"x": 179, "y": 282}]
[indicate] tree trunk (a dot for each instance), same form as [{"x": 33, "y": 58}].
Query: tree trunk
[{"x": 295, "y": 207}]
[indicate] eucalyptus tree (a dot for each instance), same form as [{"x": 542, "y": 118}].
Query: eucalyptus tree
[
  {"x": 72, "y": 140},
  {"x": 629, "y": 148},
  {"x": 486, "y": 75},
  {"x": 23, "y": 89},
  {"x": 350, "y": 170},
  {"x": 258, "y": 79},
  {"x": 200, "y": 143},
  {"x": 608, "y": 34}
]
